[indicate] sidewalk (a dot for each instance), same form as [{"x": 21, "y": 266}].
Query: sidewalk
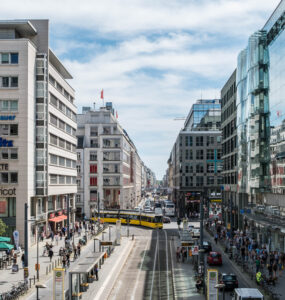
[
  {"x": 278, "y": 288},
  {"x": 8, "y": 279}
]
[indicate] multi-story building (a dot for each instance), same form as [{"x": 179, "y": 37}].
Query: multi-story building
[
  {"x": 195, "y": 158},
  {"x": 260, "y": 116},
  {"x": 37, "y": 130},
  {"x": 109, "y": 167},
  {"x": 231, "y": 203}
]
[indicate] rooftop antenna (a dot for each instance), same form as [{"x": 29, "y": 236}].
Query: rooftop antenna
[{"x": 94, "y": 105}]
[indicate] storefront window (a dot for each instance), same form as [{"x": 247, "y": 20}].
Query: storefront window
[{"x": 8, "y": 207}]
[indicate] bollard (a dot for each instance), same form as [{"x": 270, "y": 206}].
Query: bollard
[
  {"x": 52, "y": 264},
  {"x": 46, "y": 270},
  {"x": 133, "y": 236},
  {"x": 55, "y": 263},
  {"x": 49, "y": 269},
  {"x": 34, "y": 279},
  {"x": 30, "y": 282}
]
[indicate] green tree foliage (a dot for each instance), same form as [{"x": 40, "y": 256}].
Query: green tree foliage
[{"x": 3, "y": 227}]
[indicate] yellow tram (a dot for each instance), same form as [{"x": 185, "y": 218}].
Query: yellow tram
[{"x": 133, "y": 217}]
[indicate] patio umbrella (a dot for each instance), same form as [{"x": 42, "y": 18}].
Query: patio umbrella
[
  {"x": 6, "y": 246},
  {"x": 5, "y": 239}
]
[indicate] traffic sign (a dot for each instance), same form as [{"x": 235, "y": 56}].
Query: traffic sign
[
  {"x": 26, "y": 272},
  {"x": 37, "y": 267}
]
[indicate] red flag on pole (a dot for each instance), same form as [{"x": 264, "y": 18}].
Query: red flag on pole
[
  {"x": 116, "y": 115},
  {"x": 278, "y": 113},
  {"x": 102, "y": 94}
]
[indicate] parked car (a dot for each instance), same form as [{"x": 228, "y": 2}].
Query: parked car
[
  {"x": 196, "y": 232},
  {"x": 214, "y": 258},
  {"x": 207, "y": 246},
  {"x": 166, "y": 219},
  {"x": 230, "y": 281}
]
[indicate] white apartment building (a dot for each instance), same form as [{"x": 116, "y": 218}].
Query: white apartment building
[
  {"x": 37, "y": 130},
  {"x": 108, "y": 165}
]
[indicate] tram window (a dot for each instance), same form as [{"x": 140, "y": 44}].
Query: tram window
[
  {"x": 157, "y": 219},
  {"x": 143, "y": 218},
  {"x": 134, "y": 217}
]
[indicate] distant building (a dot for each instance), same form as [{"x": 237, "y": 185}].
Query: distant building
[
  {"x": 195, "y": 163},
  {"x": 109, "y": 167}
]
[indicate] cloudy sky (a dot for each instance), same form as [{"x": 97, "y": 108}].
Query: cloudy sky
[{"x": 153, "y": 58}]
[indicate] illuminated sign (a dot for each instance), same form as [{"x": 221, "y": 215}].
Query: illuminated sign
[
  {"x": 7, "y": 118},
  {"x": 5, "y": 143}
]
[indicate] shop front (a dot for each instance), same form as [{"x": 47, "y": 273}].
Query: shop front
[{"x": 57, "y": 220}]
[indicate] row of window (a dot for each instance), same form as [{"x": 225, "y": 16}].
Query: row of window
[
  {"x": 59, "y": 142},
  {"x": 60, "y": 89},
  {"x": 230, "y": 92},
  {"x": 61, "y": 179},
  {"x": 230, "y": 145},
  {"x": 230, "y": 178},
  {"x": 62, "y": 107},
  {"x": 92, "y": 156},
  {"x": 8, "y": 129},
  {"x": 230, "y": 162},
  {"x": 8, "y": 81},
  {"x": 61, "y": 125},
  {"x": 200, "y": 168},
  {"x": 210, "y": 154},
  {"x": 229, "y": 111},
  {"x": 8, "y": 105},
  {"x": 229, "y": 129},
  {"x": 210, "y": 140},
  {"x": 8, "y": 153},
  {"x": 199, "y": 182},
  {"x": 93, "y": 169},
  {"x": 62, "y": 161},
  {"x": 8, "y": 177},
  {"x": 9, "y": 58}
]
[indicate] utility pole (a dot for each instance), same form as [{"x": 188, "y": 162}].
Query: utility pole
[
  {"x": 26, "y": 236},
  {"x": 231, "y": 215},
  {"x": 202, "y": 238}
]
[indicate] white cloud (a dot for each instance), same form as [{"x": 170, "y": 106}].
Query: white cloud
[{"x": 161, "y": 57}]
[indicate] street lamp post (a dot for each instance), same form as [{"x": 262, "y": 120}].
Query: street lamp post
[{"x": 40, "y": 286}]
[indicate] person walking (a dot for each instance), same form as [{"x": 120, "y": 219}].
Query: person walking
[
  {"x": 178, "y": 254},
  {"x": 56, "y": 239},
  {"x": 96, "y": 272},
  {"x": 216, "y": 238},
  {"x": 23, "y": 260},
  {"x": 78, "y": 249},
  {"x": 50, "y": 254},
  {"x": 257, "y": 264},
  {"x": 275, "y": 268}
]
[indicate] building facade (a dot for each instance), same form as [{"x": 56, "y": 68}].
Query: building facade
[
  {"x": 231, "y": 201},
  {"x": 260, "y": 119},
  {"x": 37, "y": 131},
  {"x": 196, "y": 158},
  {"x": 109, "y": 167}
]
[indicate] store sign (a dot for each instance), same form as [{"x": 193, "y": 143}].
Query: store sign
[
  {"x": 5, "y": 143},
  {"x": 7, "y": 192},
  {"x": 4, "y": 167},
  {"x": 7, "y": 118}
]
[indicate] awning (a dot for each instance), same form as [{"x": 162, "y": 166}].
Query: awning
[
  {"x": 5, "y": 239},
  {"x": 58, "y": 219},
  {"x": 6, "y": 246}
]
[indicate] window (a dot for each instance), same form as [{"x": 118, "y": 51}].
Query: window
[
  {"x": 78, "y": 198},
  {"x": 14, "y": 129},
  {"x": 53, "y": 139},
  {"x": 4, "y": 129},
  {"x": 5, "y": 58},
  {"x": 61, "y": 161},
  {"x": 53, "y": 159},
  {"x": 93, "y": 168},
  {"x": 53, "y": 179},
  {"x": 199, "y": 168},
  {"x": 219, "y": 139},
  {"x": 68, "y": 163},
  {"x": 4, "y": 177},
  {"x": 210, "y": 180},
  {"x": 61, "y": 179},
  {"x": 68, "y": 146},
  {"x": 210, "y": 167},
  {"x": 93, "y": 156},
  {"x": 61, "y": 143},
  {"x": 13, "y": 153},
  {"x": 210, "y": 154},
  {"x": 219, "y": 154},
  {"x": 68, "y": 179},
  {"x": 78, "y": 168},
  {"x": 14, "y": 81},
  {"x": 53, "y": 119},
  {"x": 4, "y": 153},
  {"x": 199, "y": 180},
  {"x": 199, "y": 154},
  {"x": 14, "y": 58},
  {"x": 199, "y": 140},
  {"x": 68, "y": 129},
  {"x": 93, "y": 181},
  {"x": 14, "y": 177},
  {"x": 78, "y": 156},
  {"x": 220, "y": 180},
  {"x": 8, "y": 105},
  {"x": 61, "y": 124},
  {"x": 5, "y": 81}
]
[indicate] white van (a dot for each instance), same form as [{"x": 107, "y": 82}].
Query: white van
[{"x": 247, "y": 294}]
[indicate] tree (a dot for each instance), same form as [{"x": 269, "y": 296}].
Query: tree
[{"x": 3, "y": 227}]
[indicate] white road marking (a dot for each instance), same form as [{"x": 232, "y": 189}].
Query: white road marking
[
  {"x": 138, "y": 276},
  {"x": 173, "y": 280},
  {"x": 167, "y": 282},
  {"x": 154, "y": 264}
]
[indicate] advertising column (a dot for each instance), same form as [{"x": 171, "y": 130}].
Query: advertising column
[
  {"x": 212, "y": 292},
  {"x": 58, "y": 284}
]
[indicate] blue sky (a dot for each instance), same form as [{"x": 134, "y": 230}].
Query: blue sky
[{"x": 153, "y": 58}]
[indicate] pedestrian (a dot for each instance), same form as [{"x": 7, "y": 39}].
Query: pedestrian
[
  {"x": 56, "y": 239},
  {"x": 257, "y": 264},
  {"x": 275, "y": 268},
  {"x": 178, "y": 254},
  {"x": 23, "y": 260},
  {"x": 42, "y": 236},
  {"x": 14, "y": 258},
  {"x": 64, "y": 261},
  {"x": 50, "y": 254},
  {"x": 79, "y": 231},
  {"x": 270, "y": 270},
  {"x": 216, "y": 238},
  {"x": 52, "y": 236},
  {"x": 68, "y": 259},
  {"x": 96, "y": 272},
  {"x": 78, "y": 249}
]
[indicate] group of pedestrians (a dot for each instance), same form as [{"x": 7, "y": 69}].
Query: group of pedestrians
[
  {"x": 268, "y": 265},
  {"x": 181, "y": 254}
]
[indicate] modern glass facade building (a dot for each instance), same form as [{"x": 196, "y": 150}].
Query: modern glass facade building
[{"x": 261, "y": 129}]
